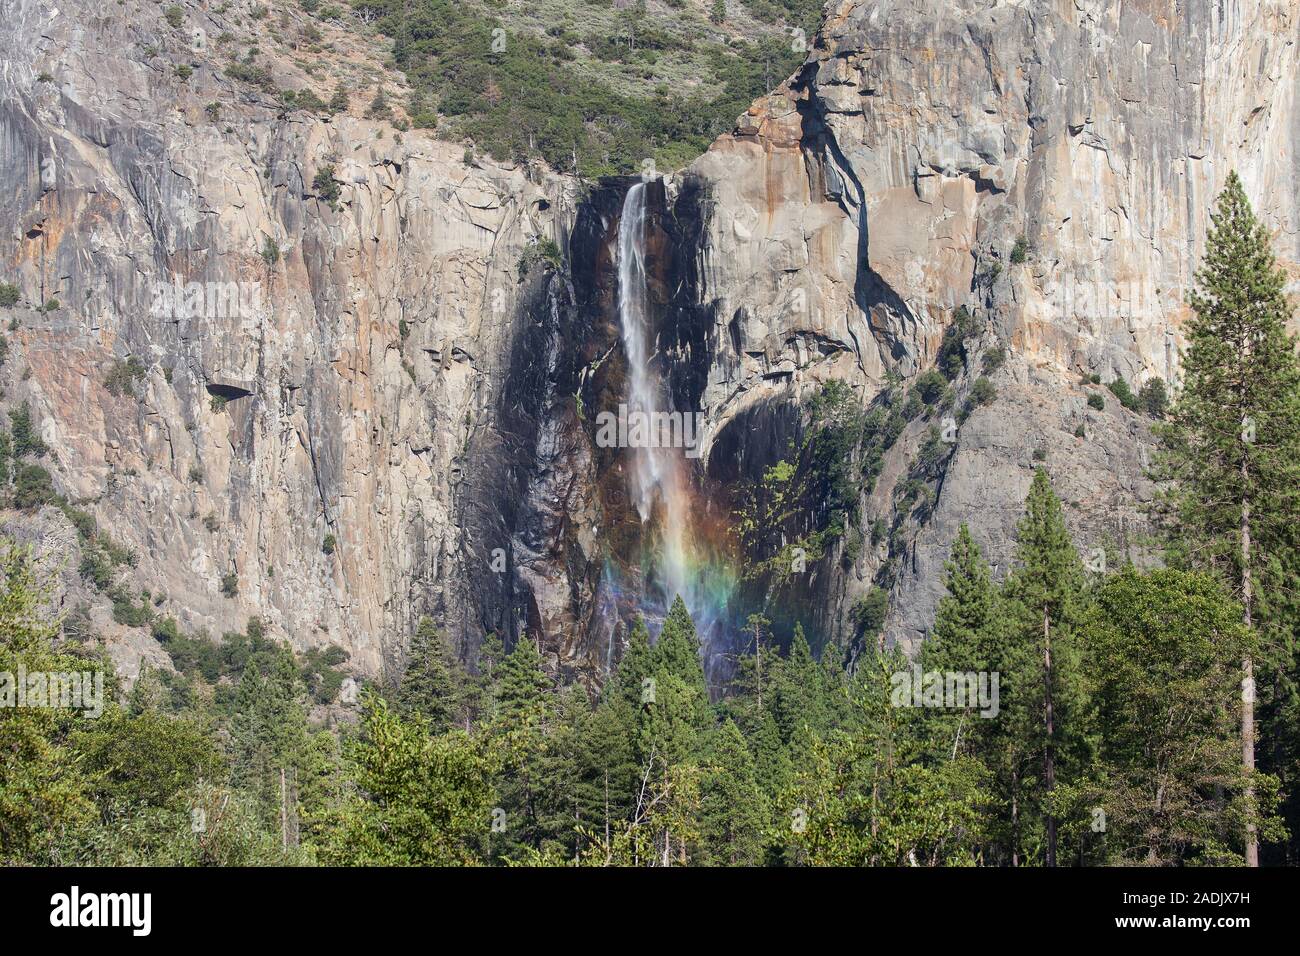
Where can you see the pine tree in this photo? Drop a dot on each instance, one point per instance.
(521, 684)
(733, 808)
(417, 801)
(797, 690)
(1232, 447)
(1043, 602)
(677, 651)
(964, 640)
(480, 692)
(428, 687)
(1163, 654)
(635, 666)
(43, 791)
(525, 715)
(270, 736)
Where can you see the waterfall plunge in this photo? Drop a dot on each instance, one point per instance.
(657, 480)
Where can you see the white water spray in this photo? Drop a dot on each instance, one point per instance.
(657, 483)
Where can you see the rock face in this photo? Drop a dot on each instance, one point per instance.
(334, 393)
(370, 356)
(885, 185)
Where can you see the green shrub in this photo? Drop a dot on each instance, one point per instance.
(326, 186)
(8, 295)
(1154, 398)
(982, 392)
(339, 101)
(308, 100)
(319, 668)
(329, 544)
(868, 613)
(930, 385)
(126, 611)
(270, 252)
(1096, 401)
(1119, 388)
(230, 584)
(24, 436)
(251, 73)
(123, 375)
(994, 359)
(174, 15)
(540, 251)
(1020, 251)
(33, 487)
(378, 108)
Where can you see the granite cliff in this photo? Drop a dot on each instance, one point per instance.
(392, 416)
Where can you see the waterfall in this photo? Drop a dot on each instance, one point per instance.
(657, 478)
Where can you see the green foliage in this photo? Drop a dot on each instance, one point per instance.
(418, 800)
(1230, 458)
(9, 295)
(1154, 398)
(123, 375)
(33, 487)
(790, 518)
(1164, 659)
(174, 15)
(930, 386)
(321, 674)
(24, 435)
(1042, 602)
(1096, 401)
(270, 252)
(252, 73)
(982, 392)
(326, 186)
(1119, 388)
(542, 251)
(518, 94)
(429, 688)
(868, 613)
(1020, 251)
(126, 611)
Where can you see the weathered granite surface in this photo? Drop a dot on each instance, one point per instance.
(391, 380)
